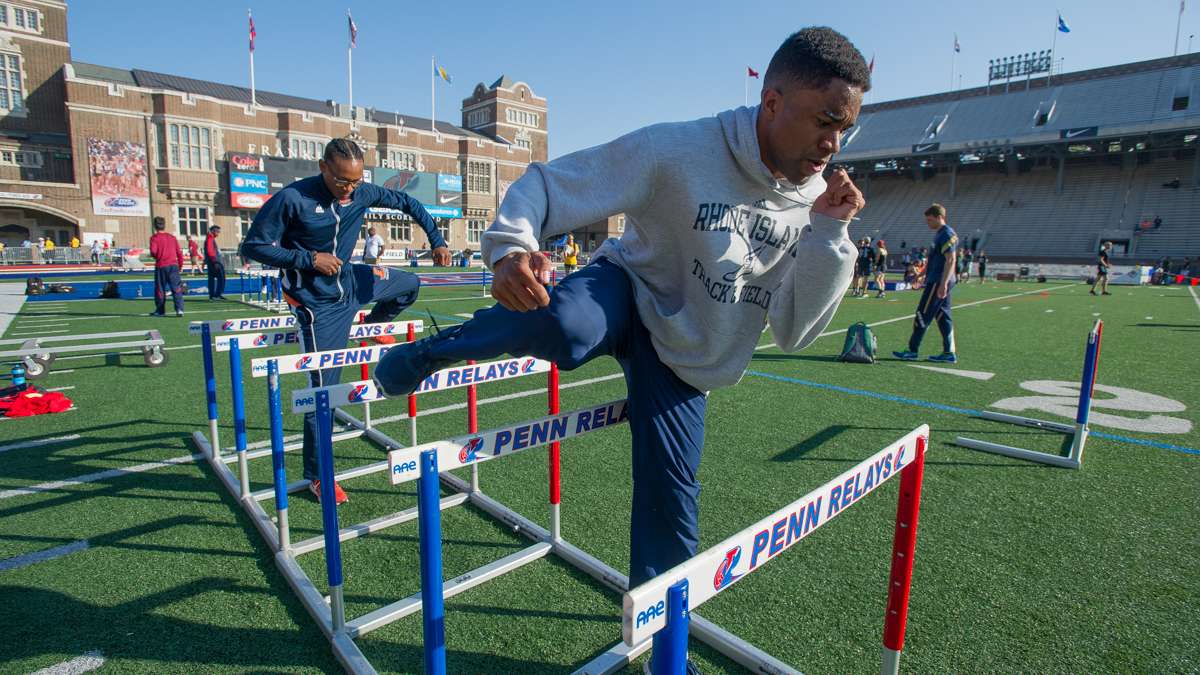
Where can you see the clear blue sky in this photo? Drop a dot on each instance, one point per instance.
(605, 67)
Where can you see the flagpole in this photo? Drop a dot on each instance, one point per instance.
(253, 95)
(350, 70)
(1178, 22)
(433, 95)
(1054, 43)
(746, 96)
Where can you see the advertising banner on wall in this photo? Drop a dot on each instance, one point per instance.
(248, 190)
(119, 183)
(440, 194)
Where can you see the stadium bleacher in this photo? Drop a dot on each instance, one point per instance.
(1120, 137)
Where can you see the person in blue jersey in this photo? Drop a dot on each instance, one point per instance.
(308, 230)
(939, 282)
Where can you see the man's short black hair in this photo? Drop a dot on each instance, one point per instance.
(812, 57)
(342, 148)
(160, 223)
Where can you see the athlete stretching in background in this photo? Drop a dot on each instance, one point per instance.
(316, 222)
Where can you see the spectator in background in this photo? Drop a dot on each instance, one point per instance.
(374, 248)
(1102, 269)
(96, 249)
(75, 242)
(48, 251)
(194, 255)
(570, 255)
(862, 269)
(982, 259)
(216, 268)
(1166, 271)
(168, 259)
(881, 255)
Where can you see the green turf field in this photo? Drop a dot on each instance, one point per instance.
(1019, 567)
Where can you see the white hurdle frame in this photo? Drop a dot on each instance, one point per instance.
(1078, 432)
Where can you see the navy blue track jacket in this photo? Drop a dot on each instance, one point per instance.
(305, 218)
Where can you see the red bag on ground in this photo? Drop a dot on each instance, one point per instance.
(33, 402)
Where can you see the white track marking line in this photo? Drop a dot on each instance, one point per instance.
(40, 441)
(464, 315)
(93, 477)
(908, 317)
(61, 388)
(27, 559)
(80, 664)
(1192, 290)
(973, 374)
(62, 372)
(1049, 311)
(40, 333)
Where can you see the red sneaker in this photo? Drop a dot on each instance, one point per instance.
(339, 495)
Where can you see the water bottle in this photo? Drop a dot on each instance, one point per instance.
(139, 290)
(18, 382)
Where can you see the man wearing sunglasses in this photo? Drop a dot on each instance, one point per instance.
(309, 230)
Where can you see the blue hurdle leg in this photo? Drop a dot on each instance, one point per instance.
(429, 526)
(670, 650)
(275, 410)
(239, 414)
(329, 518)
(210, 391)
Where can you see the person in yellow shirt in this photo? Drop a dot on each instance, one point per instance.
(571, 254)
(74, 242)
(48, 250)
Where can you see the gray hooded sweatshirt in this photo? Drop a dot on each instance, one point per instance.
(716, 247)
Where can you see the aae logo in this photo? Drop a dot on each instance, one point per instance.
(469, 451)
(303, 362)
(650, 613)
(120, 202)
(527, 367)
(260, 340)
(358, 392)
(725, 575)
(304, 402)
(228, 325)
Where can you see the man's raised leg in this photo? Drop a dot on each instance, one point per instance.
(589, 313)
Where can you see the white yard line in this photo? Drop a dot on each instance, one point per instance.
(27, 559)
(1192, 290)
(61, 388)
(908, 317)
(40, 441)
(76, 666)
(93, 477)
(40, 333)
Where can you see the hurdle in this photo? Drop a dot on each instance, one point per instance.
(1078, 432)
(272, 331)
(660, 610)
(265, 289)
(38, 353)
(429, 462)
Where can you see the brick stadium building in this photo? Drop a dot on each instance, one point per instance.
(97, 152)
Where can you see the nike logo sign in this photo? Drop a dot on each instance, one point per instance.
(447, 199)
(1075, 132)
(928, 146)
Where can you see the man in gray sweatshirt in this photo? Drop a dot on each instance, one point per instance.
(730, 228)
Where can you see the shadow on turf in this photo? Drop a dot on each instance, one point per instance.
(1179, 326)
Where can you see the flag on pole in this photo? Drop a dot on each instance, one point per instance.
(871, 65)
(441, 72)
(253, 33)
(1062, 24)
(353, 30)
(957, 48)
(750, 72)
